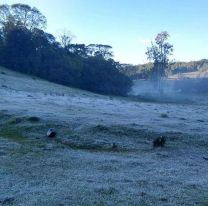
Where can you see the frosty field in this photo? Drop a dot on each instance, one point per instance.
(81, 166)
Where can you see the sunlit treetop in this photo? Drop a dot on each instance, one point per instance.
(22, 15)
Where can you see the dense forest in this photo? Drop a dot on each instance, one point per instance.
(143, 71)
(26, 47)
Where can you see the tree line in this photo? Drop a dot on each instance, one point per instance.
(144, 71)
(26, 47)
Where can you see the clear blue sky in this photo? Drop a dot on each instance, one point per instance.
(129, 25)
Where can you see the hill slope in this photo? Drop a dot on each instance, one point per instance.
(103, 152)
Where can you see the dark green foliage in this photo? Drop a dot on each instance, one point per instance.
(102, 76)
(28, 49)
(134, 72)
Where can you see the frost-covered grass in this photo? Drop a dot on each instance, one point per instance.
(103, 153)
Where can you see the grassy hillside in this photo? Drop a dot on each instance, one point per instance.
(103, 153)
(184, 67)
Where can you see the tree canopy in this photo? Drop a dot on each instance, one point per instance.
(159, 53)
(26, 47)
(22, 15)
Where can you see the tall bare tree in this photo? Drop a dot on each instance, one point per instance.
(65, 37)
(159, 54)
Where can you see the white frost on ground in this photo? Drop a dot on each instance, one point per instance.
(176, 175)
(36, 97)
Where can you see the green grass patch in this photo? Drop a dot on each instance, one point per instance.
(204, 201)
(15, 120)
(18, 120)
(13, 133)
(33, 119)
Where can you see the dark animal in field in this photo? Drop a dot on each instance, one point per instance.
(114, 146)
(51, 133)
(159, 142)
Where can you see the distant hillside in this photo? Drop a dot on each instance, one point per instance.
(193, 66)
(143, 71)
